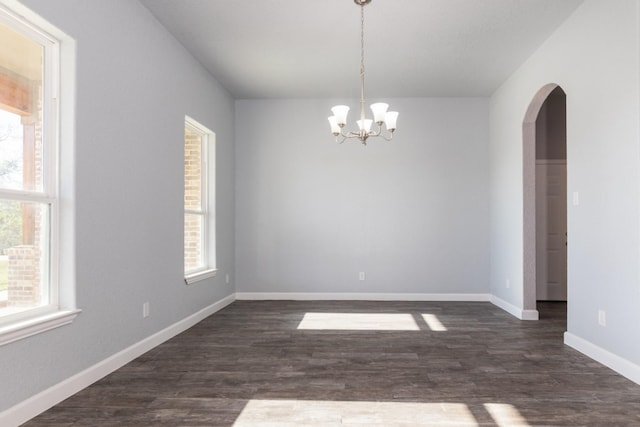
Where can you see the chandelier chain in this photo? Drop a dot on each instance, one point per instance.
(362, 62)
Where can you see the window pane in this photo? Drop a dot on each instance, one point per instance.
(21, 150)
(193, 235)
(23, 255)
(192, 170)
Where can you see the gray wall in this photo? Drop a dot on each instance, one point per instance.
(412, 213)
(594, 56)
(135, 83)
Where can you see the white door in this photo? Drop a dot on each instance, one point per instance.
(551, 230)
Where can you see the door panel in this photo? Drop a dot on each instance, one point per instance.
(551, 227)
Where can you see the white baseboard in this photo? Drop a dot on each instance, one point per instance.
(513, 310)
(530, 315)
(44, 400)
(620, 365)
(345, 296)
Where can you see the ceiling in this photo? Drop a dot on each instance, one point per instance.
(311, 48)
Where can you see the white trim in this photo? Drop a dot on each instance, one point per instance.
(348, 296)
(26, 196)
(200, 275)
(619, 364)
(530, 315)
(44, 400)
(207, 196)
(513, 310)
(22, 329)
(28, 25)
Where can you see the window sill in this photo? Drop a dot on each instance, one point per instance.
(26, 328)
(200, 275)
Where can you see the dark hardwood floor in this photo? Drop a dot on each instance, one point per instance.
(277, 363)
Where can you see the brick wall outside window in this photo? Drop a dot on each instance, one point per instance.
(193, 200)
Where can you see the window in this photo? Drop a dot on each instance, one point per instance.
(199, 223)
(29, 194)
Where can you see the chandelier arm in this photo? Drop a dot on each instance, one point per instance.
(340, 141)
(387, 139)
(374, 133)
(342, 137)
(361, 135)
(380, 133)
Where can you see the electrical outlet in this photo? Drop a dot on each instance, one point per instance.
(507, 283)
(361, 275)
(602, 318)
(226, 279)
(145, 310)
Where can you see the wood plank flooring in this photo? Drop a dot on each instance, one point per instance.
(306, 363)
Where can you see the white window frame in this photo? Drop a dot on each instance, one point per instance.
(56, 312)
(207, 212)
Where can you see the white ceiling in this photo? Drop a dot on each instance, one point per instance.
(311, 48)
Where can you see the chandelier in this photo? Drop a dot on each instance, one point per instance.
(380, 114)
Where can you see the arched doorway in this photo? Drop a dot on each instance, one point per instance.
(545, 196)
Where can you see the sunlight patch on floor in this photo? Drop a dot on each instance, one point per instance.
(359, 322)
(371, 322)
(434, 323)
(289, 413)
(505, 415)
